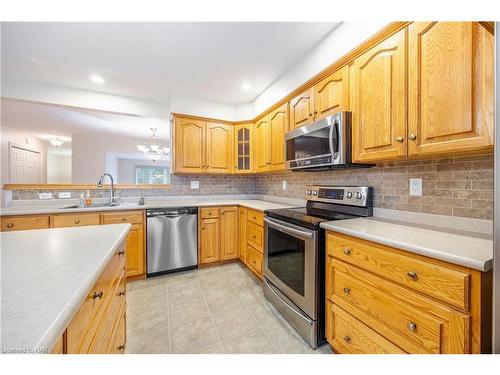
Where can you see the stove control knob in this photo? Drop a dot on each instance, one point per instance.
(309, 192)
(315, 192)
(349, 195)
(359, 195)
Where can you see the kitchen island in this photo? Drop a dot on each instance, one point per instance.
(48, 277)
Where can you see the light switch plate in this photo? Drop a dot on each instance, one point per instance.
(44, 195)
(284, 185)
(195, 184)
(64, 194)
(416, 186)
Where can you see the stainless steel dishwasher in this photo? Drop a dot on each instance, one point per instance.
(172, 239)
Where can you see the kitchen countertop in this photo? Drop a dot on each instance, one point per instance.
(458, 247)
(46, 275)
(255, 204)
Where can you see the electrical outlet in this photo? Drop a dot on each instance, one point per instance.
(416, 186)
(195, 184)
(284, 185)
(64, 194)
(45, 196)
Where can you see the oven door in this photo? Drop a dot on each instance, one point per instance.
(290, 262)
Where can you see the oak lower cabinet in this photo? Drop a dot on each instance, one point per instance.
(242, 240)
(255, 241)
(12, 223)
(99, 324)
(218, 234)
(393, 301)
(79, 219)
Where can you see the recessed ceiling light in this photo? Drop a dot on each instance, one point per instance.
(246, 86)
(96, 79)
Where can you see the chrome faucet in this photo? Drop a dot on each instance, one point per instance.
(111, 191)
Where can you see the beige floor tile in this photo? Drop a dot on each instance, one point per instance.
(254, 342)
(234, 322)
(213, 349)
(184, 291)
(225, 299)
(194, 309)
(192, 336)
(150, 341)
(285, 338)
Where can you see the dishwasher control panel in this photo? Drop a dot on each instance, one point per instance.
(171, 211)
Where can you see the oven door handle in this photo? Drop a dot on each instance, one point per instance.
(288, 230)
(308, 321)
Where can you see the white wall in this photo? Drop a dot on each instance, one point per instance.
(340, 41)
(58, 168)
(201, 107)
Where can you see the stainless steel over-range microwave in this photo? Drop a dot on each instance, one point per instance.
(322, 145)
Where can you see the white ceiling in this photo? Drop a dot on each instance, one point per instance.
(155, 60)
(48, 121)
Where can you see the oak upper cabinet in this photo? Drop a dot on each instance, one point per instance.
(229, 232)
(331, 94)
(302, 109)
(243, 150)
(451, 85)
(209, 240)
(261, 147)
(278, 126)
(378, 96)
(219, 148)
(189, 145)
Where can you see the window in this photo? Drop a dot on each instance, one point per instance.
(151, 175)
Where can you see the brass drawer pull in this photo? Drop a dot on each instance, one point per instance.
(120, 347)
(121, 293)
(77, 221)
(347, 339)
(347, 251)
(412, 137)
(121, 252)
(400, 139)
(412, 326)
(412, 275)
(97, 295)
(124, 218)
(347, 291)
(10, 225)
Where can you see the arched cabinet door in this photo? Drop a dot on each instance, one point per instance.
(189, 141)
(379, 101)
(450, 87)
(219, 154)
(278, 121)
(262, 162)
(302, 109)
(331, 94)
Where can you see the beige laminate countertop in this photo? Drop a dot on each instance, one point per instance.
(256, 204)
(458, 247)
(46, 274)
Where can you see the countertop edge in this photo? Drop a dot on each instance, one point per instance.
(449, 258)
(61, 323)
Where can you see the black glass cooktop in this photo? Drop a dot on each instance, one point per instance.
(307, 217)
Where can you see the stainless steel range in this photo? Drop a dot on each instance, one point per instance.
(294, 254)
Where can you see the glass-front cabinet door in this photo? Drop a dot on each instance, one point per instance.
(244, 148)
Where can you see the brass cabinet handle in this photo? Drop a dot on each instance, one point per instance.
(124, 218)
(310, 114)
(400, 139)
(347, 251)
(121, 252)
(347, 291)
(315, 112)
(209, 214)
(97, 295)
(10, 225)
(121, 293)
(77, 221)
(412, 137)
(120, 347)
(412, 326)
(347, 339)
(412, 275)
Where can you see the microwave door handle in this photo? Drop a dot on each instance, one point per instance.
(334, 149)
(286, 229)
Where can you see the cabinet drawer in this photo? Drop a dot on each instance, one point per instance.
(119, 341)
(255, 236)
(348, 335)
(256, 217)
(132, 217)
(83, 326)
(10, 223)
(104, 335)
(75, 220)
(254, 260)
(209, 212)
(436, 280)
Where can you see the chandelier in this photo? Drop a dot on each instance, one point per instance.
(153, 151)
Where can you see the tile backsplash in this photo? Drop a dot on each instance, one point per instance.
(457, 185)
